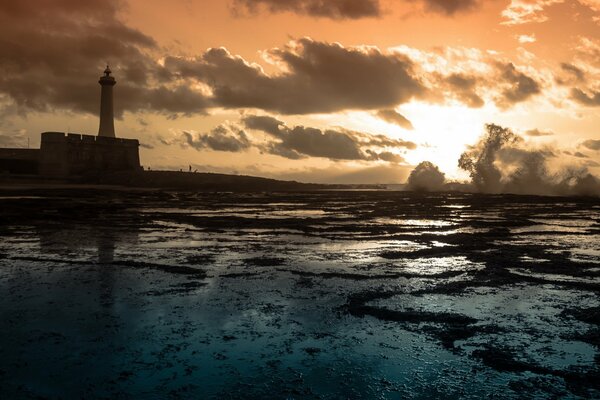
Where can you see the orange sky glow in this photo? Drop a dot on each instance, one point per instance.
(341, 91)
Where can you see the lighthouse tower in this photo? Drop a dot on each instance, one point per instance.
(107, 124)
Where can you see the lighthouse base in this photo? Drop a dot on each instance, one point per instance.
(75, 155)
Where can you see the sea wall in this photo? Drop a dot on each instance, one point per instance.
(19, 161)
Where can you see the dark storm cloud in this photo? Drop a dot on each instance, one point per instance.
(54, 51)
(336, 144)
(464, 88)
(538, 133)
(174, 99)
(574, 71)
(591, 144)
(384, 141)
(577, 154)
(295, 143)
(520, 86)
(335, 9)
(450, 7)
(221, 138)
(591, 98)
(393, 117)
(386, 156)
(347, 9)
(506, 85)
(319, 78)
(264, 123)
(592, 163)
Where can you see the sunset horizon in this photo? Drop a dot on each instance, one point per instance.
(350, 91)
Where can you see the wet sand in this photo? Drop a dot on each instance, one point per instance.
(392, 295)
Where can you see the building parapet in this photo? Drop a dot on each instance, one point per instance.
(78, 137)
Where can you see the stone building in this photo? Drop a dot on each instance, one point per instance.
(73, 155)
(79, 155)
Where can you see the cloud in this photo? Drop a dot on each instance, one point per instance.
(14, 139)
(393, 117)
(592, 98)
(464, 88)
(335, 9)
(450, 7)
(474, 77)
(526, 38)
(576, 154)
(320, 77)
(426, 177)
(315, 77)
(221, 138)
(519, 87)
(592, 144)
(574, 71)
(346, 9)
(592, 163)
(527, 11)
(385, 156)
(588, 50)
(54, 52)
(172, 99)
(294, 143)
(307, 76)
(534, 11)
(538, 133)
(265, 123)
(335, 144)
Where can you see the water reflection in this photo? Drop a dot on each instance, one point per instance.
(85, 243)
(387, 296)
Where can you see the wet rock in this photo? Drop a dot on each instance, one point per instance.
(311, 351)
(264, 261)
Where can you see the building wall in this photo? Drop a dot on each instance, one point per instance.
(79, 155)
(19, 161)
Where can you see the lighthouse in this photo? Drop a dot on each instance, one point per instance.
(107, 124)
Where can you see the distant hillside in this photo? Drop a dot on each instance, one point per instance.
(215, 182)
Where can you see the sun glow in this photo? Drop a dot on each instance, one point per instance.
(443, 132)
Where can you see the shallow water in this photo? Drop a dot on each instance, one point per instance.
(325, 295)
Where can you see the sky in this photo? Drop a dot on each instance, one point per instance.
(338, 91)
